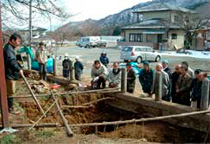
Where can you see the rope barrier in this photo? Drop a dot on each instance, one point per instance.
(141, 120)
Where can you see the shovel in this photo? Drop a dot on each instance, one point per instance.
(33, 95)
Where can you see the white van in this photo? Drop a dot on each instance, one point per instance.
(88, 42)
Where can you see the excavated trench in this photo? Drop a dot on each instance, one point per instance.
(86, 109)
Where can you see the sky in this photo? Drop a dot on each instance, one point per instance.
(94, 9)
(97, 9)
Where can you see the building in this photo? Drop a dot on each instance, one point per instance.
(37, 32)
(201, 39)
(159, 27)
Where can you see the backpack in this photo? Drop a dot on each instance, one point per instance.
(66, 64)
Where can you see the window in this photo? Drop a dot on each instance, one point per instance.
(174, 36)
(135, 38)
(127, 49)
(175, 18)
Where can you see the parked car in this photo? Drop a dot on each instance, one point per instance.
(139, 54)
(101, 43)
(88, 42)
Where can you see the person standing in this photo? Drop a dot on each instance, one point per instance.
(99, 75)
(183, 87)
(78, 69)
(42, 59)
(166, 68)
(174, 78)
(190, 71)
(196, 89)
(12, 68)
(67, 66)
(165, 83)
(104, 59)
(146, 78)
(114, 76)
(131, 79)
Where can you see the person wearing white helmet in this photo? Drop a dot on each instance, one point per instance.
(78, 68)
(67, 66)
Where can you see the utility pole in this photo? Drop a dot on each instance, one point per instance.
(30, 33)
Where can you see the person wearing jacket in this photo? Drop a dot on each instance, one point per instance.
(42, 59)
(174, 78)
(166, 68)
(114, 76)
(183, 87)
(67, 67)
(131, 79)
(146, 78)
(165, 83)
(190, 71)
(78, 68)
(99, 75)
(104, 59)
(196, 89)
(12, 68)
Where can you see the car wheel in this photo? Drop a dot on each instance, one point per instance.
(158, 58)
(139, 60)
(125, 61)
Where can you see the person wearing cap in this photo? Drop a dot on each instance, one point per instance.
(78, 68)
(190, 71)
(146, 78)
(99, 75)
(131, 79)
(41, 55)
(166, 67)
(104, 59)
(67, 66)
(165, 83)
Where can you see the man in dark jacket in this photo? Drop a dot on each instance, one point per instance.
(12, 68)
(196, 88)
(131, 79)
(146, 78)
(67, 67)
(183, 87)
(174, 78)
(104, 59)
(78, 68)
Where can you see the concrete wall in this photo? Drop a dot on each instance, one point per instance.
(148, 107)
(179, 42)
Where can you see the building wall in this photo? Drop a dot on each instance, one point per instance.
(163, 15)
(179, 42)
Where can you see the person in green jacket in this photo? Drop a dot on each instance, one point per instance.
(146, 77)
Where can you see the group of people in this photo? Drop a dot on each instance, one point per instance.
(181, 85)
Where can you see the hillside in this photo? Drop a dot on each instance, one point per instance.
(106, 25)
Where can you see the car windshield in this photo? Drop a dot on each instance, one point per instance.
(127, 49)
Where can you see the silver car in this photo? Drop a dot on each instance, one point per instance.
(139, 54)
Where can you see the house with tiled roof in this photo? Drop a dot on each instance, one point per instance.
(158, 26)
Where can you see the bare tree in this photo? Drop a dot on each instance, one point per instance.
(15, 12)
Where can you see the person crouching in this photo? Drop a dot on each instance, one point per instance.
(99, 74)
(114, 76)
